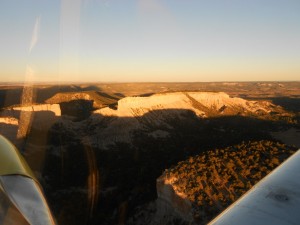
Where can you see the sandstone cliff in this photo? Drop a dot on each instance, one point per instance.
(16, 122)
(204, 104)
(54, 108)
(155, 112)
(171, 204)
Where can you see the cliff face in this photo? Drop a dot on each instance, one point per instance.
(204, 104)
(16, 122)
(9, 120)
(27, 127)
(155, 112)
(66, 97)
(171, 204)
(98, 99)
(54, 108)
(77, 109)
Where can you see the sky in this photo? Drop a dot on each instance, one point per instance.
(149, 40)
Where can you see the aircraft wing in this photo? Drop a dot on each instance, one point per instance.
(274, 200)
(22, 201)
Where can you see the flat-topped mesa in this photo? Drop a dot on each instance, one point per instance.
(55, 108)
(66, 97)
(42, 115)
(17, 121)
(99, 100)
(9, 121)
(203, 104)
(159, 112)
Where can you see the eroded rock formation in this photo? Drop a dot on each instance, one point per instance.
(204, 104)
(171, 204)
(16, 122)
(155, 112)
(98, 99)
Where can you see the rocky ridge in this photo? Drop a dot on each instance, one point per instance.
(154, 112)
(99, 99)
(204, 104)
(17, 118)
(150, 133)
(198, 189)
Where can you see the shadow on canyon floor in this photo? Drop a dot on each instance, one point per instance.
(12, 96)
(289, 104)
(92, 185)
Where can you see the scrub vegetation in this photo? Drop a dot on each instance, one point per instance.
(216, 178)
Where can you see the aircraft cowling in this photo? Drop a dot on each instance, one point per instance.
(22, 199)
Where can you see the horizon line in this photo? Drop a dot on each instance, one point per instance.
(139, 82)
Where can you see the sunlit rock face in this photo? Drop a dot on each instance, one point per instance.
(154, 113)
(54, 108)
(16, 122)
(9, 127)
(66, 97)
(98, 99)
(9, 120)
(42, 114)
(204, 104)
(171, 204)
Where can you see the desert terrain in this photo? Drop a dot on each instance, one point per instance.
(150, 153)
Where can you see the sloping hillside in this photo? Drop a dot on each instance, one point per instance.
(134, 142)
(213, 180)
(99, 99)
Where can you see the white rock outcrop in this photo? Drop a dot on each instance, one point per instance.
(137, 112)
(16, 122)
(171, 203)
(204, 104)
(55, 108)
(9, 121)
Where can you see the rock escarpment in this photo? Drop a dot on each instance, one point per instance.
(54, 108)
(98, 99)
(40, 113)
(156, 113)
(204, 104)
(201, 187)
(142, 138)
(16, 121)
(171, 204)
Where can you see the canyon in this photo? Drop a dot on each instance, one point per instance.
(112, 154)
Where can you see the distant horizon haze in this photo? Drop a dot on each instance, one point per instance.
(4, 83)
(149, 41)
